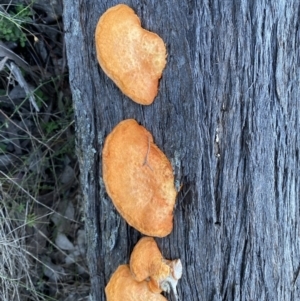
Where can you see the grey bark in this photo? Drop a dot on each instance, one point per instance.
(227, 115)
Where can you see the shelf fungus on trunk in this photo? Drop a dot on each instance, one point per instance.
(139, 179)
(131, 56)
(147, 263)
(147, 275)
(123, 287)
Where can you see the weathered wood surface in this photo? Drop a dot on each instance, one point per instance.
(228, 116)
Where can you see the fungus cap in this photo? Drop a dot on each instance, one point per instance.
(131, 56)
(147, 262)
(122, 286)
(139, 179)
(146, 259)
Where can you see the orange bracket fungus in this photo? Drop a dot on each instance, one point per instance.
(139, 179)
(147, 263)
(123, 287)
(146, 277)
(131, 56)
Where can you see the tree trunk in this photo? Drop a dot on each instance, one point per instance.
(227, 115)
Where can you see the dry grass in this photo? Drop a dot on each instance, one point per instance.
(32, 191)
(15, 268)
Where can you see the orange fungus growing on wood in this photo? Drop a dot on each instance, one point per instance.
(139, 179)
(131, 56)
(147, 262)
(123, 287)
(146, 277)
